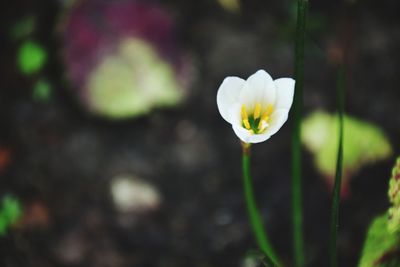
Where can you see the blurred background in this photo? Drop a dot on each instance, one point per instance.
(113, 153)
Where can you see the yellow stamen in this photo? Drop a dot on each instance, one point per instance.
(244, 113)
(268, 111)
(257, 111)
(246, 123)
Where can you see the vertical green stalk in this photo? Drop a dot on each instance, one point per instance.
(254, 214)
(297, 209)
(341, 83)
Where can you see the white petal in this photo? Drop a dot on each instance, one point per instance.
(235, 114)
(228, 94)
(258, 138)
(278, 118)
(284, 93)
(259, 88)
(236, 121)
(242, 133)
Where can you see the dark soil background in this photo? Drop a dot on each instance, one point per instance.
(62, 158)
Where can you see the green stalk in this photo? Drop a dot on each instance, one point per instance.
(253, 212)
(341, 83)
(297, 208)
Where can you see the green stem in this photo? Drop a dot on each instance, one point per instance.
(297, 208)
(341, 83)
(254, 214)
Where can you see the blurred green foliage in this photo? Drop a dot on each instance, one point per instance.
(363, 142)
(23, 28)
(394, 198)
(382, 245)
(381, 248)
(316, 22)
(133, 81)
(10, 212)
(42, 91)
(31, 57)
(230, 5)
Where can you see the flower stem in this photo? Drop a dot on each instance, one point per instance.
(341, 83)
(297, 209)
(253, 212)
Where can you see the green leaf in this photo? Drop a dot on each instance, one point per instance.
(364, 142)
(10, 212)
(394, 198)
(133, 81)
(31, 57)
(381, 248)
(23, 28)
(42, 91)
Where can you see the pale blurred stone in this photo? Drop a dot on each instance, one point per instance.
(131, 194)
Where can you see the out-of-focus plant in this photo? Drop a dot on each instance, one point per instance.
(364, 143)
(31, 57)
(394, 198)
(256, 108)
(23, 28)
(382, 244)
(296, 161)
(230, 5)
(42, 90)
(316, 22)
(10, 212)
(126, 60)
(120, 86)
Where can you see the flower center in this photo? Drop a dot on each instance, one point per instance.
(257, 120)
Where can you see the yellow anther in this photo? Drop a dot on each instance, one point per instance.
(244, 113)
(266, 114)
(246, 123)
(257, 111)
(265, 117)
(268, 111)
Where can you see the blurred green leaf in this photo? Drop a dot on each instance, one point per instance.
(230, 5)
(133, 81)
(10, 212)
(394, 198)
(42, 90)
(23, 28)
(363, 143)
(381, 248)
(31, 57)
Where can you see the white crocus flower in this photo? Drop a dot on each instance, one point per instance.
(256, 108)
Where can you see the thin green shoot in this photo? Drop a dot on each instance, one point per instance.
(297, 209)
(341, 83)
(253, 212)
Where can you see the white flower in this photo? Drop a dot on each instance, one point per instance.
(256, 108)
